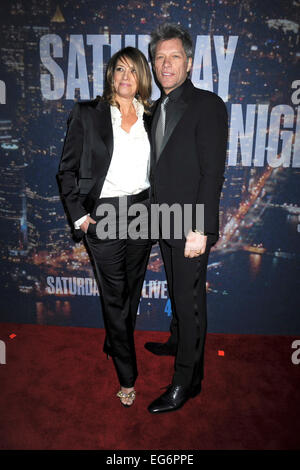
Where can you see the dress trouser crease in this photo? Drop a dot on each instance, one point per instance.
(187, 290)
(120, 266)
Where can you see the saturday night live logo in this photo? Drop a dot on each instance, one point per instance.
(260, 135)
(86, 286)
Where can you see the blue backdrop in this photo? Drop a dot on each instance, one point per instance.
(55, 52)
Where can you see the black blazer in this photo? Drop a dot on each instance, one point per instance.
(86, 157)
(190, 167)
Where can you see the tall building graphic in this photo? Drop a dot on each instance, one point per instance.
(12, 199)
(58, 16)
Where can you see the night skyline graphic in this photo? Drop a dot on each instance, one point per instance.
(253, 273)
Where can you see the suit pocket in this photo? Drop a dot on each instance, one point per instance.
(92, 229)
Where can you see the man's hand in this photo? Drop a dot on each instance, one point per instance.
(84, 226)
(195, 244)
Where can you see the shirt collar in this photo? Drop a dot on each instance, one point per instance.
(174, 95)
(117, 117)
(139, 108)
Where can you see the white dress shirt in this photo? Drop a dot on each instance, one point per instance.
(128, 172)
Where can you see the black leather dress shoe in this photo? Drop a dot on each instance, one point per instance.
(162, 349)
(171, 400)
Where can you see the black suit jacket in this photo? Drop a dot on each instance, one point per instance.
(190, 166)
(86, 157)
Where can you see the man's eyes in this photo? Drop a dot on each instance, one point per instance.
(174, 56)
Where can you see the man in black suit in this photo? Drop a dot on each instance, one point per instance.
(189, 140)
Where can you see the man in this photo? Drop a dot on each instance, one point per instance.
(189, 144)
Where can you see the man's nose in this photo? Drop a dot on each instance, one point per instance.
(166, 62)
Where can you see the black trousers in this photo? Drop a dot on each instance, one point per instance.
(186, 279)
(120, 266)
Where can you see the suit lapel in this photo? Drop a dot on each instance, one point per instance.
(172, 123)
(174, 119)
(105, 127)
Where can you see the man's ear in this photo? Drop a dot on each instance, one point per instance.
(189, 64)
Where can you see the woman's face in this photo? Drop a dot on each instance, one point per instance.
(125, 79)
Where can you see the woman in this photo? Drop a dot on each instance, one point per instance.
(105, 165)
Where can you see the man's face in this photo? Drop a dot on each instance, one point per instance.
(171, 64)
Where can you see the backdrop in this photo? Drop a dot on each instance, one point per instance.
(55, 52)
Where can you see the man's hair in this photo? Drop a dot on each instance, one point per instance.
(167, 31)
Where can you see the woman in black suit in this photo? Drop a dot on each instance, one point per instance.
(105, 165)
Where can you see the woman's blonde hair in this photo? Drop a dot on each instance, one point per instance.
(143, 75)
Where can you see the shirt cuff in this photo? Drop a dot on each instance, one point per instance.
(80, 221)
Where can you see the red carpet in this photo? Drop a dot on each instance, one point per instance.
(58, 392)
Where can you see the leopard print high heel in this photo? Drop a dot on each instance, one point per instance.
(131, 396)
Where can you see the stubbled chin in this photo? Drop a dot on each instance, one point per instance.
(167, 80)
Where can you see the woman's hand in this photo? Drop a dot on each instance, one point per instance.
(85, 225)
